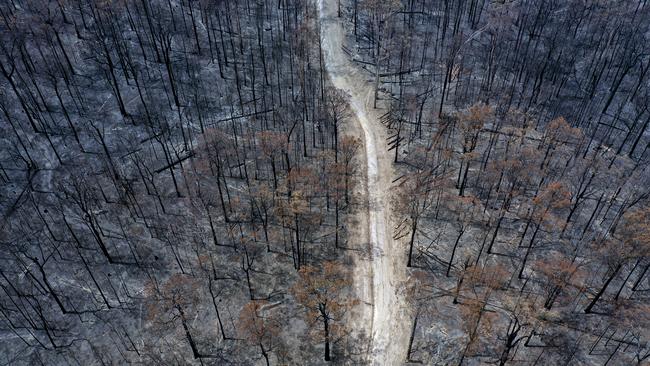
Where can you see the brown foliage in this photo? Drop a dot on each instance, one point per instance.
(636, 231)
(256, 327)
(272, 142)
(471, 122)
(178, 291)
(321, 292)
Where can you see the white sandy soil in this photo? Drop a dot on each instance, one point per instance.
(388, 266)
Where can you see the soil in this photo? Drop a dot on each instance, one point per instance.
(378, 277)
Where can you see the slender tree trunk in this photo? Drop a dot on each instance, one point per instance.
(602, 290)
(265, 354)
(216, 309)
(326, 326)
(188, 335)
(412, 337)
(453, 252)
(414, 228)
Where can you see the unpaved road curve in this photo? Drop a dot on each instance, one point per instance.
(388, 334)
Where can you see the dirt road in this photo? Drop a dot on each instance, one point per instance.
(380, 287)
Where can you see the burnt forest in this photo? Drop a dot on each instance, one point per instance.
(314, 182)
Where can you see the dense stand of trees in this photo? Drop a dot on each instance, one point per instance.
(166, 169)
(568, 235)
(587, 62)
(174, 179)
(519, 129)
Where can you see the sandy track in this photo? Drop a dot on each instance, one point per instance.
(387, 323)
